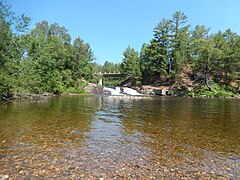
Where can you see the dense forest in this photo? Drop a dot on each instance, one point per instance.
(191, 61)
(42, 59)
(47, 59)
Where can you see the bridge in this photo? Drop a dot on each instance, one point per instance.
(110, 74)
(107, 74)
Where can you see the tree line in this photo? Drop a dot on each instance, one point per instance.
(47, 59)
(42, 59)
(210, 60)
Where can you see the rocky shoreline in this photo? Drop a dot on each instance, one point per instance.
(94, 89)
(30, 96)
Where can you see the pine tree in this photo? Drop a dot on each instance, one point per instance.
(130, 67)
(180, 41)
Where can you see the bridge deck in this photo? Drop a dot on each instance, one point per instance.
(110, 74)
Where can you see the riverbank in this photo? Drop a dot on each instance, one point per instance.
(29, 96)
(200, 91)
(146, 90)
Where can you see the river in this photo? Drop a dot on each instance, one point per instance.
(97, 137)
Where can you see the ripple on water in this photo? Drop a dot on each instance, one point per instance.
(98, 137)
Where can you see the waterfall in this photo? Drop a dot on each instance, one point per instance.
(120, 91)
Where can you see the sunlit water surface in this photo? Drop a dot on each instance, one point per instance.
(107, 137)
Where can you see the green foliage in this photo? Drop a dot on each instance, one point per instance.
(42, 60)
(211, 57)
(179, 44)
(66, 78)
(10, 50)
(7, 85)
(130, 67)
(77, 87)
(54, 83)
(82, 62)
(109, 67)
(168, 51)
(45, 60)
(112, 82)
(72, 90)
(52, 64)
(216, 91)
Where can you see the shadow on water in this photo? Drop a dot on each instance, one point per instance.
(94, 136)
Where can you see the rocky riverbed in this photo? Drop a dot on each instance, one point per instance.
(103, 137)
(118, 161)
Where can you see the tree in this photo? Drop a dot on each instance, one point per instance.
(130, 67)
(10, 50)
(110, 67)
(168, 50)
(204, 53)
(236, 73)
(231, 54)
(52, 63)
(145, 64)
(179, 48)
(82, 63)
(155, 56)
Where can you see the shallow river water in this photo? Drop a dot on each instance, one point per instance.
(94, 137)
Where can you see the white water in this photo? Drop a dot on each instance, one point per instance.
(117, 91)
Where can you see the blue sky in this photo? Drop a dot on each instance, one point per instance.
(109, 26)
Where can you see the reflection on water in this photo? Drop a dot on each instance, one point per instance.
(94, 137)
